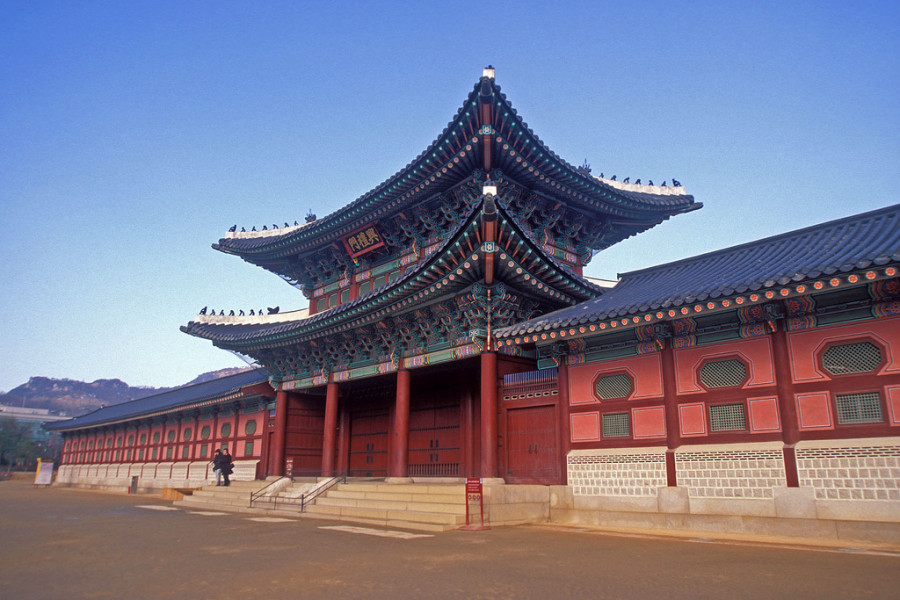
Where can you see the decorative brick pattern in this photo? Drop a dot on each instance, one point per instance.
(617, 474)
(730, 473)
(851, 473)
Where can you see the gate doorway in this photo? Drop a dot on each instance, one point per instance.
(434, 435)
(369, 443)
(531, 448)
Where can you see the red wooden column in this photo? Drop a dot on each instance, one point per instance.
(670, 398)
(277, 450)
(343, 439)
(564, 438)
(195, 439)
(399, 466)
(329, 435)
(790, 431)
(489, 414)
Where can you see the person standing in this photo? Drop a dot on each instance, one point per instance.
(227, 465)
(217, 467)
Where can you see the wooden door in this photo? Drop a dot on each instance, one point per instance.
(531, 450)
(369, 443)
(304, 432)
(434, 437)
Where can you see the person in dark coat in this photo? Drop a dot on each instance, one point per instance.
(227, 465)
(217, 467)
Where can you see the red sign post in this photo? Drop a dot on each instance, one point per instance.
(474, 492)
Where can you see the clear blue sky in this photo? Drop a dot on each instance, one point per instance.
(134, 134)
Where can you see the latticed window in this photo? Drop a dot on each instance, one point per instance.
(859, 408)
(727, 417)
(616, 425)
(171, 436)
(860, 357)
(610, 387)
(723, 373)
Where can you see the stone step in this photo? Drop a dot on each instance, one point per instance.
(418, 506)
(425, 489)
(217, 501)
(387, 515)
(427, 527)
(398, 496)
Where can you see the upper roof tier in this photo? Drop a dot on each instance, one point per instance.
(780, 266)
(487, 137)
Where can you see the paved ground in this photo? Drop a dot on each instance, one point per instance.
(67, 543)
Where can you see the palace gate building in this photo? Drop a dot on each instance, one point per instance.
(450, 333)
(395, 361)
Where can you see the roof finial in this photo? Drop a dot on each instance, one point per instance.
(488, 72)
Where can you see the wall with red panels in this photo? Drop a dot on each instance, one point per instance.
(645, 372)
(123, 444)
(755, 352)
(807, 346)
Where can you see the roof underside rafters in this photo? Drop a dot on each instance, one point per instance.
(522, 266)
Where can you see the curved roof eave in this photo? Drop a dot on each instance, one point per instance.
(633, 199)
(242, 336)
(171, 400)
(324, 226)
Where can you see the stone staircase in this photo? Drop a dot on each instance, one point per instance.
(233, 498)
(418, 506)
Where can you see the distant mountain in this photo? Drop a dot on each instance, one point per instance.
(75, 398)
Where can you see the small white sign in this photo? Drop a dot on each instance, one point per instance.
(44, 475)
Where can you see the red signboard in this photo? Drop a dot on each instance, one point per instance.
(362, 241)
(289, 466)
(474, 492)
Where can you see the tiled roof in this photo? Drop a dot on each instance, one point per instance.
(424, 173)
(861, 241)
(166, 401)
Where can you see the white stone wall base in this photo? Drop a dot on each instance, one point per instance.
(795, 503)
(673, 500)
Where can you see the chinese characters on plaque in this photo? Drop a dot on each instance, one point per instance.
(363, 241)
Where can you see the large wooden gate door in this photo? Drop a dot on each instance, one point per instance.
(434, 435)
(532, 453)
(303, 437)
(369, 442)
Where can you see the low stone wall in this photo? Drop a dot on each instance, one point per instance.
(151, 476)
(849, 490)
(852, 479)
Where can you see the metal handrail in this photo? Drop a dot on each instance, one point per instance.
(307, 498)
(259, 493)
